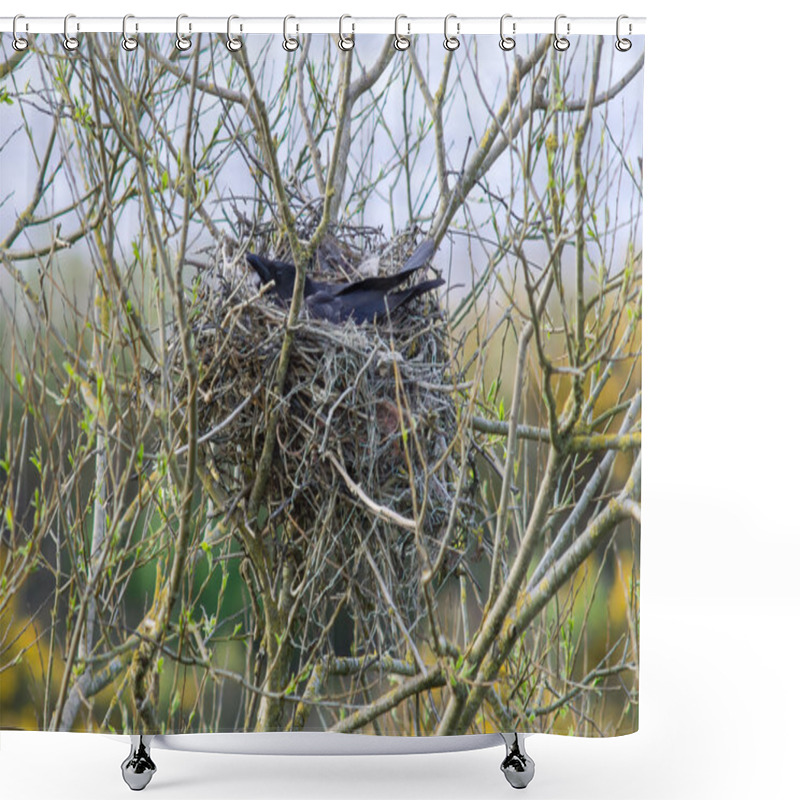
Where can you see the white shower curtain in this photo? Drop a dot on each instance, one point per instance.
(252, 479)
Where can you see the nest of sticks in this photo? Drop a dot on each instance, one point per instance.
(368, 469)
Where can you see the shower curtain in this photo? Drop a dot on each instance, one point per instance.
(320, 401)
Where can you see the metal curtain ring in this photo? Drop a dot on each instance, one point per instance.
(451, 42)
(507, 42)
(234, 44)
(70, 42)
(623, 45)
(182, 42)
(560, 43)
(20, 43)
(129, 42)
(290, 43)
(401, 41)
(346, 41)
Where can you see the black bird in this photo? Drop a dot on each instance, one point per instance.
(364, 305)
(363, 300)
(281, 273)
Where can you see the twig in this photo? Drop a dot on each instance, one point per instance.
(379, 510)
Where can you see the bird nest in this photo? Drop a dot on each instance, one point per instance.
(366, 474)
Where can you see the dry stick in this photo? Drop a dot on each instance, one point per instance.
(587, 684)
(545, 589)
(349, 390)
(341, 148)
(24, 217)
(313, 149)
(220, 426)
(337, 175)
(88, 685)
(592, 486)
(511, 458)
(519, 121)
(413, 686)
(342, 666)
(475, 167)
(580, 239)
(434, 104)
(99, 530)
(397, 617)
(83, 632)
(165, 599)
(260, 117)
(76, 637)
(330, 208)
(495, 618)
(577, 443)
(383, 512)
(608, 370)
(419, 509)
(10, 64)
(427, 576)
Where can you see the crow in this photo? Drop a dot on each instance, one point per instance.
(279, 272)
(364, 305)
(363, 300)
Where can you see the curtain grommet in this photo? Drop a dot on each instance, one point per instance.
(129, 42)
(20, 43)
(451, 42)
(401, 40)
(507, 42)
(290, 43)
(70, 42)
(623, 45)
(234, 43)
(560, 43)
(347, 41)
(182, 42)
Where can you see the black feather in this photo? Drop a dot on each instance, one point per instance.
(363, 300)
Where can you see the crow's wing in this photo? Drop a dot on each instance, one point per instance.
(421, 256)
(397, 299)
(371, 304)
(323, 305)
(385, 283)
(369, 291)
